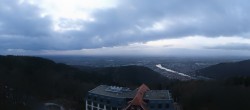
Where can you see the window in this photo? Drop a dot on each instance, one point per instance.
(119, 103)
(89, 102)
(152, 106)
(108, 102)
(159, 105)
(114, 108)
(89, 108)
(166, 105)
(107, 107)
(89, 97)
(101, 106)
(95, 104)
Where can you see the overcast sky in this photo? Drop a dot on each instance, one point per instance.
(125, 27)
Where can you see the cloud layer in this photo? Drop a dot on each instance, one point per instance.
(32, 26)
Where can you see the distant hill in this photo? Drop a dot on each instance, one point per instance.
(126, 75)
(34, 79)
(226, 70)
(27, 81)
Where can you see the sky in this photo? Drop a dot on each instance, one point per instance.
(125, 27)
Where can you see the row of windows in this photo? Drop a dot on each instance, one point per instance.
(107, 107)
(94, 98)
(152, 106)
(107, 102)
(96, 104)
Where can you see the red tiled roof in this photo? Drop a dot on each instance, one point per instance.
(138, 99)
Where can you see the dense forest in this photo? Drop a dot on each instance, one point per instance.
(27, 82)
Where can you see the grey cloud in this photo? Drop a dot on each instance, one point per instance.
(193, 17)
(22, 19)
(231, 46)
(22, 27)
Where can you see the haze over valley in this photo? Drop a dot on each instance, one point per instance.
(182, 68)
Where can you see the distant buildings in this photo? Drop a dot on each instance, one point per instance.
(106, 97)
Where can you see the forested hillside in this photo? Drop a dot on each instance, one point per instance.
(226, 70)
(40, 79)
